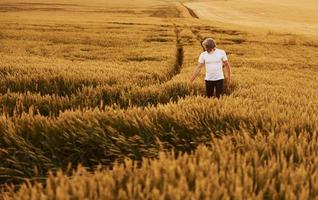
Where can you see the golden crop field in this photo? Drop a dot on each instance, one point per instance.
(287, 16)
(96, 102)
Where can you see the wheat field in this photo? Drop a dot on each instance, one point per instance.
(286, 16)
(96, 103)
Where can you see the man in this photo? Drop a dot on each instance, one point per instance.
(214, 59)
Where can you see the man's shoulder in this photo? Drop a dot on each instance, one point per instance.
(220, 50)
(204, 53)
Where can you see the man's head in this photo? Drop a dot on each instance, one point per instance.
(208, 44)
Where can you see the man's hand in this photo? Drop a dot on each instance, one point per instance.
(229, 80)
(197, 72)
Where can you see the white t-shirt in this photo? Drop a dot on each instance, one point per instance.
(213, 64)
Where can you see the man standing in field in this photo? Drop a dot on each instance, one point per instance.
(214, 59)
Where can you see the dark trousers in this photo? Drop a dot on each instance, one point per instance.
(210, 85)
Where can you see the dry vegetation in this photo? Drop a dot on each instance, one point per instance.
(294, 16)
(106, 85)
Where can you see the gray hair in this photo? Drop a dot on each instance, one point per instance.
(209, 44)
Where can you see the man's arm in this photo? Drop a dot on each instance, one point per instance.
(227, 65)
(197, 72)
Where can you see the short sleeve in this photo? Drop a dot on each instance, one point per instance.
(201, 59)
(224, 56)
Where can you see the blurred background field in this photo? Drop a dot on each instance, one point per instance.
(106, 85)
(289, 16)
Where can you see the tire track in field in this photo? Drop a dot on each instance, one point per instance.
(191, 12)
(179, 55)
